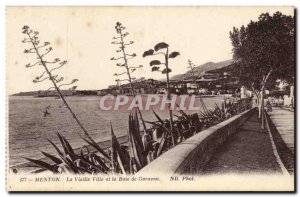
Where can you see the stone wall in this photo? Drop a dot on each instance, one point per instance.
(191, 155)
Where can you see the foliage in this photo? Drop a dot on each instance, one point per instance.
(162, 48)
(161, 45)
(125, 57)
(174, 54)
(264, 51)
(120, 158)
(41, 50)
(192, 69)
(148, 53)
(228, 109)
(166, 55)
(67, 161)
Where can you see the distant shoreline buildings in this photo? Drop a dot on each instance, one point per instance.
(208, 79)
(217, 81)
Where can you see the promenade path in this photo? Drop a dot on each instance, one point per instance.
(283, 119)
(247, 151)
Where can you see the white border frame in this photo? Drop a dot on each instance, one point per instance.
(5, 3)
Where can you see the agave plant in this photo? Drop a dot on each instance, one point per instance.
(133, 157)
(136, 147)
(67, 161)
(228, 109)
(124, 59)
(120, 158)
(163, 50)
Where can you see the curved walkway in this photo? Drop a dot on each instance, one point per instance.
(247, 151)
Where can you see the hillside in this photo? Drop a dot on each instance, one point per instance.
(203, 68)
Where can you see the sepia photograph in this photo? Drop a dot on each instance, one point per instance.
(186, 98)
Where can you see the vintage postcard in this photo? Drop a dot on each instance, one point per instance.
(150, 99)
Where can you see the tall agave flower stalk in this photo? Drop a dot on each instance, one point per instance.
(163, 49)
(192, 68)
(41, 50)
(120, 40)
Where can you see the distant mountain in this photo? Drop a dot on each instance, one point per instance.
(203, 68)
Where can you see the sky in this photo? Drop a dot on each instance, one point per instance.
(83, 36)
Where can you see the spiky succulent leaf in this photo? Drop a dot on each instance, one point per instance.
(96, 146)
(42, 164)
(53, 158)
(56, 148)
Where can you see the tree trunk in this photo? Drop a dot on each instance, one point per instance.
(257, 94)
(292, 96)
(259, 104)
(257, 97)
(262, 108)
(262, 99)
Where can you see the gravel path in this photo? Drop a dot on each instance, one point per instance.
(247, 151)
